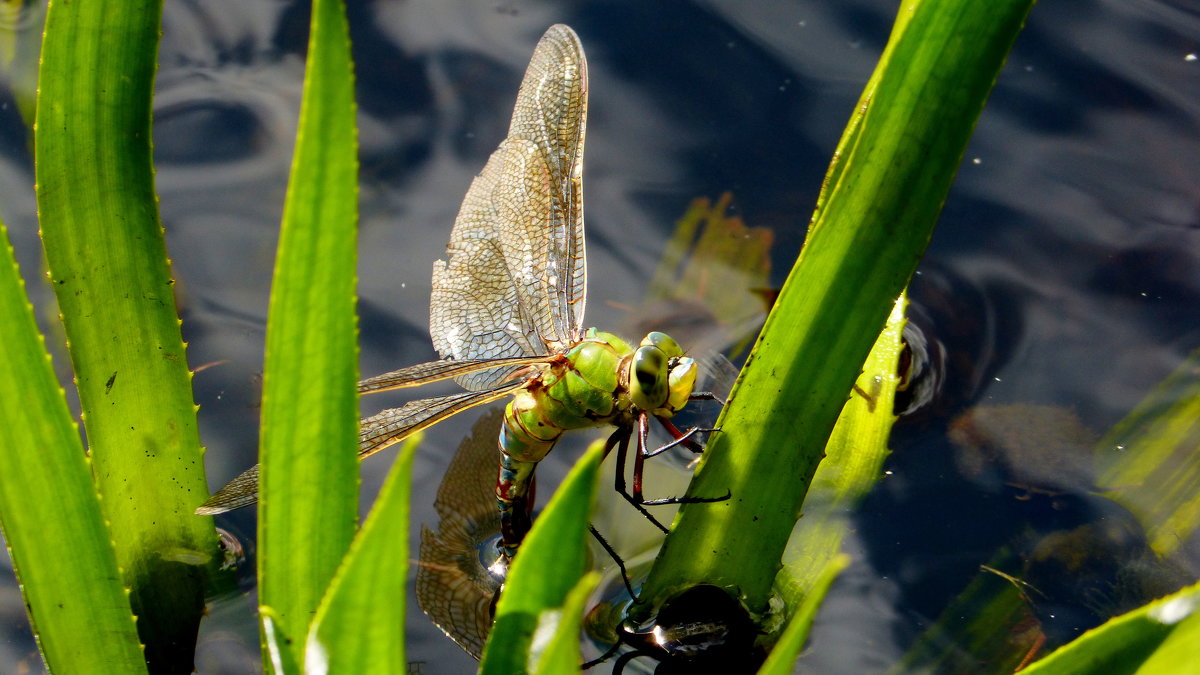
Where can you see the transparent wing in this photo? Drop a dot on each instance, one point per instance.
(239, 492)
(453, 586)
(717, 375)
(375, 433)
(396, 424)
(514, 281)
(551, 112)
(434, 371)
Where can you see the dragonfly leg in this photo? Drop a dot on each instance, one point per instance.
(639, 459)
(620, 440)
(612, 553)
(684, 438)
(621, 662)
(514, 497)
(643, 453)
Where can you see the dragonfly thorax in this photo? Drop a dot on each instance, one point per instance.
(599, 381)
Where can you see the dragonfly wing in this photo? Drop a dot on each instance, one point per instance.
(717, 374)
(475, 312)
(396, 424)
(434, 371)
(239, 492)
(551, 113)
(514, 280)
(375, 433)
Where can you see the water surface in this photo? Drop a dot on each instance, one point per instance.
(1063, 273)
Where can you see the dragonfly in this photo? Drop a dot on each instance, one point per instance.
(506, 313)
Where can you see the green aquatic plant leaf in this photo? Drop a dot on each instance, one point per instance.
(49, 508)
(277, 650)
(883, 198)
(359, 627)
(556, 642)
(853, 464)
(309, 477)
(1149, 462)
(783, 657)
(109, 269)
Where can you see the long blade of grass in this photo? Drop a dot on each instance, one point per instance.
(309, 407)
(109, 268)
(359, 627)
(49, 509)
(861, 251)
(561, 652)
(853, 464)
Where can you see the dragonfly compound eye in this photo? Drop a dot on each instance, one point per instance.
(648, 386)
(664, 342)
(682, 381)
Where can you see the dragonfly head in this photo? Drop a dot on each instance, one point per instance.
(660, 376)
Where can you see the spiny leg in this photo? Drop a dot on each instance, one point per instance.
(612, 553)
(684, 438)
(639, 463)
(639, 460)
(620, 440)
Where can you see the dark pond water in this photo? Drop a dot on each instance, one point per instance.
(1065, 271)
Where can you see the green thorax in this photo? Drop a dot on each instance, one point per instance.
(601, 380)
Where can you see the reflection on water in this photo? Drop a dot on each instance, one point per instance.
(1038, 449)
(706, 287)
(1083, 558)
(1063, 272)
(454, 586)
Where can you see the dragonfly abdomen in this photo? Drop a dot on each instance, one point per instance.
(580, 389)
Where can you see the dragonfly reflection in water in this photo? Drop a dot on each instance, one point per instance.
(454, 585)
(506, 313)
